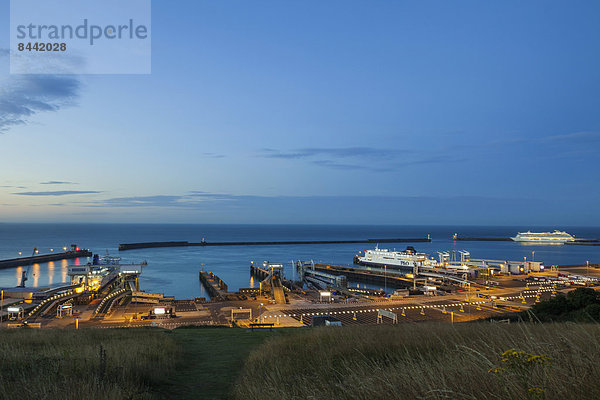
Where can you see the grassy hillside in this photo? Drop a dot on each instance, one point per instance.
(427, 361)
(405, 361)
(194, 363)
(84, 364)
(211, 359)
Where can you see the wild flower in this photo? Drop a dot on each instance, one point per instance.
(521, 366)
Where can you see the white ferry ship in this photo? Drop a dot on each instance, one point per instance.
(392, 259)
(544, 237)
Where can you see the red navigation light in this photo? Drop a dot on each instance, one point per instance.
(76, 248)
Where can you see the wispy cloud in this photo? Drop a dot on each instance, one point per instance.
(193, 199)
(212, 155)
(573, 137)
(57, 193)
(342, 152)
(12, 187)
(360, 158)
(58, 183)
(23, 96)
(140, 201)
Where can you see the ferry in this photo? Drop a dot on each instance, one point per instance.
(558, 237)
(408, 258)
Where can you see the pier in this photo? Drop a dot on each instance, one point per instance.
(216, 288)
(25, 261)
(149, 245)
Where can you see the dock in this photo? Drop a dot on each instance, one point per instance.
(149, 245)
(216, 288)
(389, 279)
(25, 261)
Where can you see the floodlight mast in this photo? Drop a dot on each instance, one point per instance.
(25, 274)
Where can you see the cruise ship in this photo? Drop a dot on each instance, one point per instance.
(408, 258)
(544, 237)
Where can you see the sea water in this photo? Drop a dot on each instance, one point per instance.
(174, 271)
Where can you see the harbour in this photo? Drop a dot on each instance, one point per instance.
(412, 285)
(174, 270)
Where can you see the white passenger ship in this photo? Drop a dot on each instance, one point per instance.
(543, 237)
(408, 258)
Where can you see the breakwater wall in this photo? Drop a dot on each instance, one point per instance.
(483, 239)
(585, 242)
(148, 245)
(25, 261)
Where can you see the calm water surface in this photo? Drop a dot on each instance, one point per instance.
(174, 271)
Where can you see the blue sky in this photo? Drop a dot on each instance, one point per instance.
(428, 112)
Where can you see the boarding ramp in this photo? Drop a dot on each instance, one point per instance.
(47, 293)
(50, 302)
(278, 293)
(271, 274)
(106, 302)
(107, 282)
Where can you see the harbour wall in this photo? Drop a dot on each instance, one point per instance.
(25, 261)
(147, 245)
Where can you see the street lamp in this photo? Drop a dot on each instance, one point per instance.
(587, 267)
(385, 278)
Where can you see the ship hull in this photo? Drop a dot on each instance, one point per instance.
(541, 240)
(372, 263)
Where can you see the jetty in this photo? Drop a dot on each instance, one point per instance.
(25, 261)
(216, 288)
(149, 245)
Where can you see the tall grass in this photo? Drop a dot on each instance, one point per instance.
(424, 361)
(66, 364)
